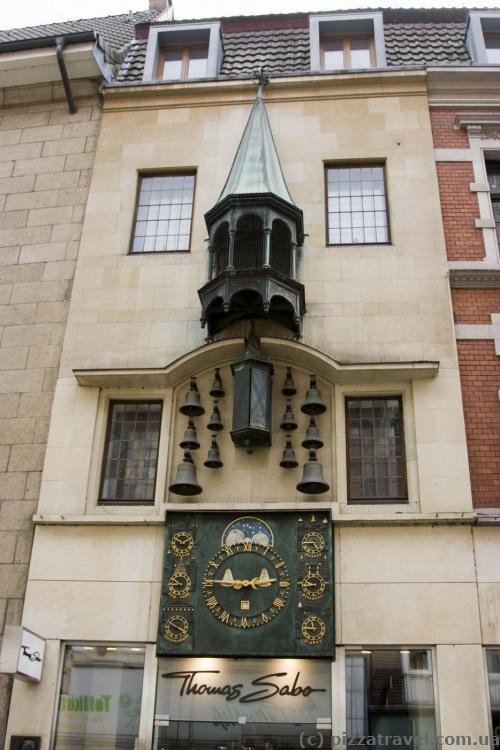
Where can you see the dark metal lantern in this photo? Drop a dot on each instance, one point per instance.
(192, 404)
(215, 424)
(289, 461)
(252, 398)
(313, 481)
(213, 459)
(288, 423)
(289, 388)
(312, 439)
(313, 403)
(185, 482)
(190, 440)
(217, 390)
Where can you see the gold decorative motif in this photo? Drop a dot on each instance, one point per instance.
(313, 629)
(182, 543)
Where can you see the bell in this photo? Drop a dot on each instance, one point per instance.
(313, 403)
(288, 422)
(289, 388)
(312, 439)
(215, 423)
(185, 482)
(313, 482)
(289, 461)
(213, 459)
(190, 440)
(217, 390)
(192, 405)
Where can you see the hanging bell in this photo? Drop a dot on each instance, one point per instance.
(215, 423)
(312, 439)
(213, 459)
(185, 482)
(217, 389)
(288, 423)
(313, 482)
(313, 403)
(190, 440)
(289, 388)
(192, 405)
(289, 461)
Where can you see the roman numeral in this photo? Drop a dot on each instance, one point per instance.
(279, 602)
(264, 617)
(229, 551)
(279, 565)
(284, 584)
(243, 622)
(212, 602)
(212, 564)
(224, 616)
(247, 546)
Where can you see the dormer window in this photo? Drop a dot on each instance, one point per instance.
(183, 52)
(483, 37)
(347, 41)
(492, 44)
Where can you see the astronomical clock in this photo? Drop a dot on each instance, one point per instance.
(247, 585)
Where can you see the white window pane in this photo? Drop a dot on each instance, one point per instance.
(176, 196)
(346, 236)
(333, 204)
(370, 235)
(345, 204)
(140, 229)
(183, 242)
(188, 181)
(379, 203)
(151, 228)
(173, 227)
(357, 219)
(153, 212)
(368, 203)
(172, 67)
(186, 211)
(145, 198)
(333, 55)
(360, 53)
(161, 243)
(492, 42)
(345, 220)
(142, 213)
(155, 198)
(175, 211)
(356, 203)
(164, 212)
(335, 236)
(358, 236)
(138, 244)
(333, 220)
(162, 227)
(380, 219)
(149, 244)
(184, 227)
(369, 219)
(197, 67)
(172, 242)
(382, 235)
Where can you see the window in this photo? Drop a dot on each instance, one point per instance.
(492, 44)
(493, 663)
(164, 213)
(375, 450)
(341, 41)
(131, 452)
(483, 37)
(100, 697)
(183, 62)
(390, 693)
(339, 53)
(356, 205)
(493, 170)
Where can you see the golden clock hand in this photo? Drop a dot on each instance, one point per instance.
(176, 627)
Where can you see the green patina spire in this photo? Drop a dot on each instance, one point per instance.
(256, 167)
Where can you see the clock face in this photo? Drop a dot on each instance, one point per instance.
(246, 585)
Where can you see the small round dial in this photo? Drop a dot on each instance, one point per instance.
(182, 543)
(313, 585)
(179, 585)
(176, 629)
(313, 629)
(313, 543)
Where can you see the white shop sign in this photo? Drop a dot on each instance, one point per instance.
(22, 653)
(290, 691)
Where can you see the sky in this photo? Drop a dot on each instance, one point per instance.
(31, 12)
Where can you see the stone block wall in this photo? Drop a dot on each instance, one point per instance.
(46, 158)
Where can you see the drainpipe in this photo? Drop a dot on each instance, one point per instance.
(64, 74)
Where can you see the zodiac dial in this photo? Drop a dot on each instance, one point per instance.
(182, 543)
(246, 585)
(313, 629)
(313, 543)
(176, 629)
(313, 585)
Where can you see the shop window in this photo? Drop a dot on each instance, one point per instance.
(390, 693)
(131, 452)
(341, 41)
(375, 450)
(164, 213)
(493, 663)
(493, 170)
(183, 51)
(100, 697)
(356, 205)
(183, 62)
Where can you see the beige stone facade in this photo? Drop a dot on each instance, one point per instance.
(46, 158)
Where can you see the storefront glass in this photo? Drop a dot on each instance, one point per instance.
(237, 704)
(390, 695)
(100, 699)
(493, 661)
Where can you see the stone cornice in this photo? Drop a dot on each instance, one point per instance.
(484, 278)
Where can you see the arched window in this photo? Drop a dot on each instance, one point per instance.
(249, 242)
(281, 249)
(220, 248)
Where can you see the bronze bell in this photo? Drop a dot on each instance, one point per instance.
(289, 388)
(215, 423)
(213, 459)
(217, 389)
(312, 439)
(289, 461)
(313, 482)
(288, 422)
(190, 440)
(185, 483)
(313, 403)
(192, 405)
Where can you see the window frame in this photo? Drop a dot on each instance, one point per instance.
(346, 24)
(188, 172)
(480, 24)
(356, 163)
(186, 49)
(185, 35)
(404, 500)
(127, 503)
(346, 39)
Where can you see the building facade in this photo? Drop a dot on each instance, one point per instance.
(261, 530)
